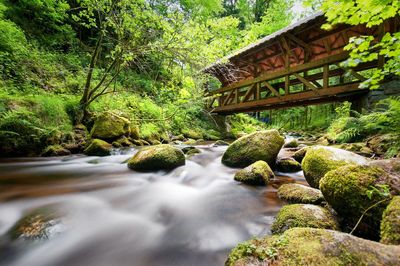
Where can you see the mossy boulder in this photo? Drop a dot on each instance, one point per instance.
(55, 150)
(288, 165)
(134, 131)
(390, 226)
(110, 126)
(193, 152)
(122, 142)
(98, 147)
(297, 193)
(380, 144)
(352, 189)
(291, 143)
(303, 215)
(300, 154)
(314, 247)
(319, 160)
(260, 145)
(220, 143)
(159, 157)
(193, 133)
(258, 173)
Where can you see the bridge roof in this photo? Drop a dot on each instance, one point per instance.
(265, 40)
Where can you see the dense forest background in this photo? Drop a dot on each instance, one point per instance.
(62, 62)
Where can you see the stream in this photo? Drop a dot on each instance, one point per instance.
(112, 216)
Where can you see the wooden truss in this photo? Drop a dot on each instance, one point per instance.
(298, 67)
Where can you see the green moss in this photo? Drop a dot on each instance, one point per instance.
(261, 145)
(292, 143)
(390, 226)
(309, 246)
(303, 215)
(193, 133)
(108, 125)
(300, 154)
(158, 157)
(348, 190)
(258, 173)
(98, 147)
(320, 160)
(55, 150)
(288, 165)
(193, 152)
(296, 193)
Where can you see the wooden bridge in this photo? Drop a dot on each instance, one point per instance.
(296, 66)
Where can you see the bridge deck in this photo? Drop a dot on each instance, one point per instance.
(299, 65)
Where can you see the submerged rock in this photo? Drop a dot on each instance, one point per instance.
(288, 165)
(110, 126)
(303, 215)
(319, 160)
(56, 150)
(310, 246)
(261, 145)
(352, 189)
(297, 193)
(390, 226)
(258, 173)
(40, 224)
(193, 152)
(98, 147)
(160, 157)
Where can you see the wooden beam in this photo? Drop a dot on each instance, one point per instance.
(294, 97)
(352, 72)
(228, 98)
(287, 84)
(273, 90)
(248, 93)
(307, 83)
(325, 78)
(278, 74)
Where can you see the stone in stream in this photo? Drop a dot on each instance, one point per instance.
(390, 225)
(55, 150)
(220, 143)
(159, 157)
(319, 160)
(110, 126)
(40, 224)
(297, 193)
(258, 173)
(291, 143)
(313, 247)
(193, 152)
(122, 142)
(288, 165)
(303, 215)
(352, 189)
(260, 145)
(300, 154)
(98, 147)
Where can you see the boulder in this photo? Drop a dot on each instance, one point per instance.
(390, 225)
(39, 224)
(319, 160)
(303, 215)
(314, 247)
(380, 144)
(220, 143)
(134, 131)
(55, 150)
(258, 173)
(193, 134)
(288, 165)
(300, 154)
(180, 137)
(98, 147)
(140, 142)
(261, 145)
(159, 157)
(193, 152)
(352, 189)
(122, 142)
(291, 143)
(110, 126)
(297, 193)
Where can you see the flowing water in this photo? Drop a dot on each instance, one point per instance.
(109, 215)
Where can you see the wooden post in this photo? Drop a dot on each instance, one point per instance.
(325, 76)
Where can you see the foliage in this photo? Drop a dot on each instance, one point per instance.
(364, 49)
